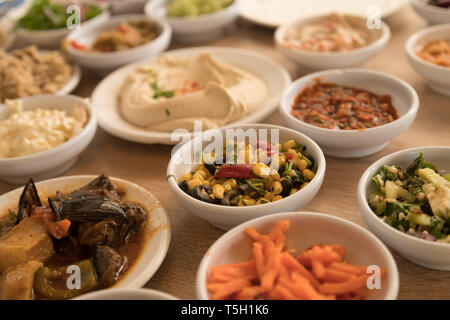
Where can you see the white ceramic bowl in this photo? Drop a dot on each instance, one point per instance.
(196, 29)
(51, 39)
(226, 217)
(127, 6)
(355, 143)
(422, 252)
(312, 60)
(53, 162)
(433, 14)
(437, 77)
(126, 294)
(158, 242)
(306, 229)
(104, 62)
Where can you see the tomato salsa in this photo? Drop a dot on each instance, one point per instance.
(329, 105)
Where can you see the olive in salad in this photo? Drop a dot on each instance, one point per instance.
(254, 175)
(414, 200)
(49, 15)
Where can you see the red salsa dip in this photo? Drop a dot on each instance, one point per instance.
(332, 106)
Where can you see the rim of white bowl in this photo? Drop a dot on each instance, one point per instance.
(279, 33)
(105, 294)
(429, 7)
(411, 45)
(166, 31)
(411, 111)
(152, 5)
(91, 125)
(202, 292)
(320, 173)
(362, 198)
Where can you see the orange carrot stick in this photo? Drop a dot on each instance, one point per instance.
(356, 282)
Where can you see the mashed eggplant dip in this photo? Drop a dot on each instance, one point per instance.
(29, 132)
(172, 92)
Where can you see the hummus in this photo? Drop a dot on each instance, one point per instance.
(172, 92)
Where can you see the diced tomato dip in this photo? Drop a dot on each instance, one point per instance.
(437, 52)
(331, 106)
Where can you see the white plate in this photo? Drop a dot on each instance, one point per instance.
(273, 13)
(157, 244)
(104, 97)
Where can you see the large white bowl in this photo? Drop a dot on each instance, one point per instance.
(226, 217)
(433, 14)
(55, 161)
(355, 143)
(196, 29)
(306, 229)
(437, 77)
(126, 6)
(104, 62)
(428, 254)
(126, 294)
(158, 226)
(51, 39)
(312, 60)
(105, 102)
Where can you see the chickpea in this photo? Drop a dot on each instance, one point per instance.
(204, 172)
(261, 170)
(268, 183)
(289, 144)
(276, 198)
(304, 184)
(245, 156)
(301, 164)
(229, 184)
(187, 177)
(193, 183)
(293, 190)
(218, 191)
(269, 196)
(276, 176)
(198, 175)
(308, 174)
(262, 201)
(276, 187)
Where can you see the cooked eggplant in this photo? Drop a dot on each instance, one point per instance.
(109, 264)
(203, 193)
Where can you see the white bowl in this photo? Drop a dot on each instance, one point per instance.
(226, 217)
(126, 294)
(196, 29)
(51, 39)
(306, 229)
(104, 62)
(105, 102)
(157, 245)
(433, 14)
(127, 6)
(428, 254)
(55, 161)
(437, 77)
(312, 60)
(355, 143)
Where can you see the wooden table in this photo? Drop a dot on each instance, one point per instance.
(146, 165)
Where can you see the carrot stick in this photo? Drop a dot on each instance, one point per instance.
(259, 258)
(282, 293)
(281, 226)
(318, 268)
(354, 283)
(223, 290)
(291, 263)
(252, 233)
(348, 268)
(332, 275)
(249, 293)
(301, 287)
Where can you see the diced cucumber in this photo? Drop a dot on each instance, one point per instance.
(419, 218)
(394, 191)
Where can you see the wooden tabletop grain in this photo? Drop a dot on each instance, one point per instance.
(146, 164)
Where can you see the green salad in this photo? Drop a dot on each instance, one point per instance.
(48, 15)
(194, 8)
(414, 200)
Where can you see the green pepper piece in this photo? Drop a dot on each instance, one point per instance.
(44, 281)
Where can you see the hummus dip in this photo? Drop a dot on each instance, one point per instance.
(172, 92)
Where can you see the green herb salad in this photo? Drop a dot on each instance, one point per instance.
(414, 200)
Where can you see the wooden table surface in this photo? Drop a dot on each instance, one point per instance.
(146, 165)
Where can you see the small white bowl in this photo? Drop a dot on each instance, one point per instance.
(55, 161)
(158, 227)
(196, 29)
(104, 62)
(226, 217)
(127, 6)
(312, 60)
(126, 294)
(306, 229)
(428, 254)
(51, 39)
(433, 14)
(355, 143)
(437, 77)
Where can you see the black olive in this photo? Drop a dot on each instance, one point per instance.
(229, 197)
(203, 193)
(287, 185)
(211, 168)
(184, 186)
